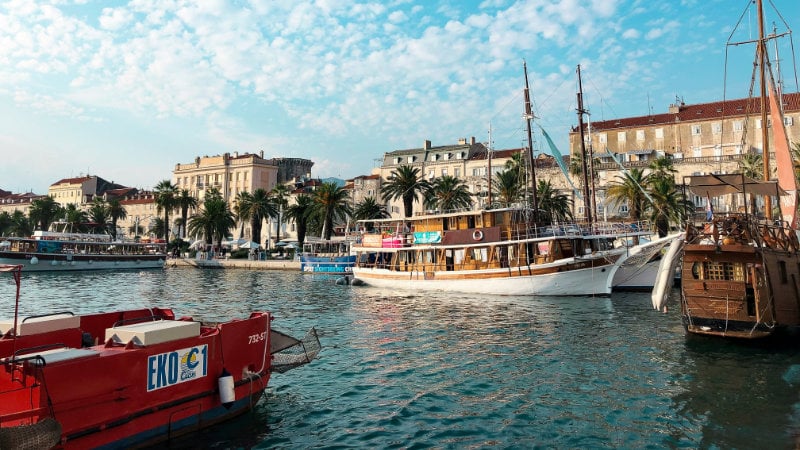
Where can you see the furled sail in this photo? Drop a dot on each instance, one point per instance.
(560, 160)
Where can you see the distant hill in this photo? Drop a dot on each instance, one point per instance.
(339, 182)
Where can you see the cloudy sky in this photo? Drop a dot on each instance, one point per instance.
(127, 89)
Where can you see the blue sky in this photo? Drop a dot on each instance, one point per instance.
(126, 90)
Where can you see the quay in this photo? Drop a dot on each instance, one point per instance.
(272, 264)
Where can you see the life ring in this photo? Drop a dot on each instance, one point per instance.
(477, 235)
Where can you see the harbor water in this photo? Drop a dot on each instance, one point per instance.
(414, 370)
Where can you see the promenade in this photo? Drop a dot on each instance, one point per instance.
(272, 264)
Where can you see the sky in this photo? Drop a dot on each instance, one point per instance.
(128, 89)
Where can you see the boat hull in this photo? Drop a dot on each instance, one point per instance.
(327, 264)
(549, 280)
(48, 262)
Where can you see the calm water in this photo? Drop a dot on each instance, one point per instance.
(454, 371)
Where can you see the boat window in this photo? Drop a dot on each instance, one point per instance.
(479, 254)
(724, 271)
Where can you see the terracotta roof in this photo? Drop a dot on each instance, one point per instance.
(76, 180)
(700, 111)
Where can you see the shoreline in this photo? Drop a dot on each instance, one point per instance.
(288, 264)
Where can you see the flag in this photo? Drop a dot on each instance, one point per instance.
(709, 209)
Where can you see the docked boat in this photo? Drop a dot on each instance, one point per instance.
(327, 257)
(500, 251)
(741, 271)
(132, 378)
(640, 270)
(60, 250)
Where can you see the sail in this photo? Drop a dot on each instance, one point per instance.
(560, 160)
(783, 159)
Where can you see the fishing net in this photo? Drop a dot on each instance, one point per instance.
(44, 434)
(300, 353)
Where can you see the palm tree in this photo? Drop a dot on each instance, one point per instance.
(75, 217)
(507, 188)
(21, 225)
(165, 193)
(184, 201)
(5, 222)
(668, 204)
(369, 209)
(44, 211)
(404, 183)
(629, 189)
(256, 208)
(752, 166)
(98, 215)
(214, 220)
(157, 227)
(447, 193)
(662, 167)
(280, 194)
(116, 212)
(300, 212)
(557, 207)
(332, 202)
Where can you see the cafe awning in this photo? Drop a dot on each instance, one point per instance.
(735, 183)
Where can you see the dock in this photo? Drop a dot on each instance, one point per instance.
(271, 264)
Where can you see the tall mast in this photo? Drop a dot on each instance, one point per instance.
(489, 174)
(587, 208)
(528, 118)
(762, 57)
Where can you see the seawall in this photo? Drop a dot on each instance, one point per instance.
(274, 264)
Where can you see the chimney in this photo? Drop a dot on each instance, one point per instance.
(426, 145)
(472, 140)
(462, 141)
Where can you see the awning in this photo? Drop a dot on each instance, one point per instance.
(716, 185)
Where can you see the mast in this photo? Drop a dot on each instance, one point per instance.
(587, 208)
(489, 174)
(762, 57)
(528, 118)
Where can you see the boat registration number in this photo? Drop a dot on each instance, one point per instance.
(175, 367)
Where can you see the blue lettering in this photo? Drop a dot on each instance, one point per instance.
(162, 371)
(205, 359)
(151, 370)
(173, 367)
(191, 358)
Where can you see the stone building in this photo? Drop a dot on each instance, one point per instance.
(701, 138)
(80, 190)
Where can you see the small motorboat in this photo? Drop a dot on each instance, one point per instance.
(132, 378)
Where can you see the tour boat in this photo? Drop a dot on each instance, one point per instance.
(499, 251)
(327, 257)
(741, 272)
(132, 378)
(67, 251)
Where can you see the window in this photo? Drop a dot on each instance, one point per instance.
(716, 128)
(623, 208)
(621, 136)
(788, 121)
(678, 155)
(697, 152)
(410, 159)
(602, 138)
(457, 172)
(659, 133)
(738, 125)
(758, 124)
(695, 130)
(398, 160)
(444, 172)
(479, 172)
(738, 149)
(431, 174)
(639, 135)
(717, 150)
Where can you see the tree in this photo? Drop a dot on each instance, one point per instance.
(44, 211)
(662, 168)
(332, 203)
(184, 201)
(300, 212)
(98, 215)
(214, 220)
(116, 212)
(280, 194)
(157, 226)
(556, 207)
(256, 208)
(752, 166)
(628, 188)
(5, 223)
(370, 209)
(75, 217)
(447, 193)
(404, 183)
(668, 204)
(507, 188)
(21, 225)
(165, 193)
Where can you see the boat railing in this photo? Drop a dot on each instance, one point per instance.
(743, 229)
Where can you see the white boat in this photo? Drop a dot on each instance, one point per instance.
(497, 251)
(640, 269)
(49, 251)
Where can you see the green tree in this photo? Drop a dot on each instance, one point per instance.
(5, 223)
(662, 168)
(405, 183)
(21, 225)
(332, 203)
(116, 212)
(447, 193)
(507, 188)
(668, 204)
(184, 201)
(628, 189)
(165, 196)
(752, 166)
(370, 209)
(98, 215)
(214, 220)
(256, 208)
(75, 217)
(44, 211)
(280, 194)
(157, 227)
(556, 207)
(300, 212)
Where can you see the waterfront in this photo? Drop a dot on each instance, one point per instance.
(455, 371)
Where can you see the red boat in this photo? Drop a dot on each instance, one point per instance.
(132, 378)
